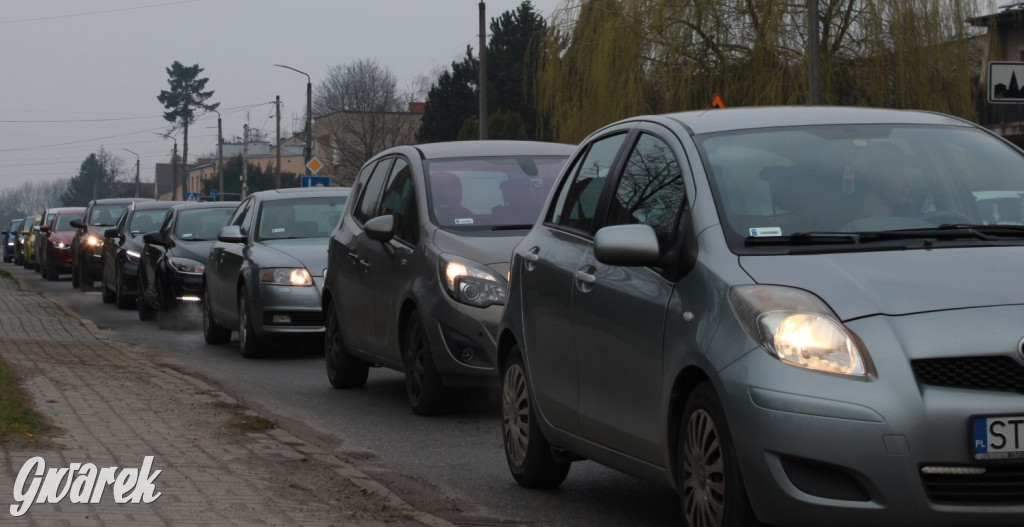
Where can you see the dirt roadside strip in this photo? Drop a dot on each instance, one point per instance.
(113, 406)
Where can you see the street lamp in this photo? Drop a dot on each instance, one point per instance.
(309, 116)
(137, 163)
(174, 167)
(220, 158)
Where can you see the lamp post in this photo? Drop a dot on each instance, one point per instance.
(220, 157)
(309, 116)
(174, 167)
(137, 163)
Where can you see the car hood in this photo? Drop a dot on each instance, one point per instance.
(493, 251)
(899, 282)
(308, 252)
(62, 236)
(198, 250)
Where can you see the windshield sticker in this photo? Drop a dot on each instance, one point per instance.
(765, 231)
(278, 229)
(463, 221)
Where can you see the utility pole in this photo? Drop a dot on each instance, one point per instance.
(245, 160)
(137, 166)
(483, 71)
(220, 160)
(176, 177)
(813, 54)
(309, 116)
(277, 169)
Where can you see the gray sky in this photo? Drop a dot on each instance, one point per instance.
(77, 75)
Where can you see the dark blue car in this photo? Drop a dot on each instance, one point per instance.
(11, 237)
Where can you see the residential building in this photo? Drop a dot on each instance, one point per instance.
(345, 140)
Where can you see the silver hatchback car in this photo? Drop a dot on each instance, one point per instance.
(416, 273)
(796, 316)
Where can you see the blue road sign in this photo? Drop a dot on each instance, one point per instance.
(316, 181)
(191, 196)
(213, 193)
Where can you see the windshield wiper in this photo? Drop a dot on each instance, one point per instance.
(805, 238)
(511, 227)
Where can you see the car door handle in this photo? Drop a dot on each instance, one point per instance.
(585, 277)
(356, 260)
(531, 258)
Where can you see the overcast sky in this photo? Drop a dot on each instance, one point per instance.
(79, 75)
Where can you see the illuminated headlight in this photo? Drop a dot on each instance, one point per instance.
(471, 283)
(297, 276)
(133, 256)
(10, 243)
(59, 245)
(93, 241)
(798, 328)
(186, 266)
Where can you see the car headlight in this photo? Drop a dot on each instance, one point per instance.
(59, 245)
(185, 265)
(297, 276)
(798, 328)
(93, 241)
(133, 257)
(471, 283)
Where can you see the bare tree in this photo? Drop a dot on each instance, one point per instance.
(31, 197)
(359, 113)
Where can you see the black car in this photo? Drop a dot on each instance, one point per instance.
(173, 258)
(122, 248)
(87, 246)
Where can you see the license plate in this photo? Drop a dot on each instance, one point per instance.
(1000, 437)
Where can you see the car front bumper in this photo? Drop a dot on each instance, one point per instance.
(463, 338)
(279, 310)
(821, 449)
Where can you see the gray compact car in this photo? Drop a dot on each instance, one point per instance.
(264, 273)
(796, 316)
(417, 268)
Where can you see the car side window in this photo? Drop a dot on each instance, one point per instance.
(399, 200)
(165, 227)
(368, 201)
(651, 190)
(577, 200)
(242, 217)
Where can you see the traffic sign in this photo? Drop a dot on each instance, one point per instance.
(314, 165)
(213, 193)
(191, 196)
(316, 181)
(1004, 82)
(717, 101)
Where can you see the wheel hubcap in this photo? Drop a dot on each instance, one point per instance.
(703, 472)
(515, 413)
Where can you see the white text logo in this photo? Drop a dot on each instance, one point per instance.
(82, 483)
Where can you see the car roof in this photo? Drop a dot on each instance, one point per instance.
(749, 118)
(151, 205)
(492, 148)
(67, 210)
(206, 205)
(117, 201)
(295, 192)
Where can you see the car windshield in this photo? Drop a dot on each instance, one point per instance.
(144, 221)
(64, 222)
(106, 215)
(775, 183)
(200, 224)
(490, 192)
(308, 217)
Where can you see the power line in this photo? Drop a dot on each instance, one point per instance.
(90, 13)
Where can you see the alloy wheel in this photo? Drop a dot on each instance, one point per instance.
(703, 472)
(515, 412)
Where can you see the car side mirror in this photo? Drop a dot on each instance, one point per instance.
(44, 228)
(381, 228)
(112, 233)
(231, 234)
(153, 238)
(627, 245)
(77, 224)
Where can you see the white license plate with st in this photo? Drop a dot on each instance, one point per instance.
(998, 437)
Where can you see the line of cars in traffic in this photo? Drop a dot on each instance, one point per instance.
(791, 316)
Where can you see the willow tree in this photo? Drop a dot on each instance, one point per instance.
(607, 59)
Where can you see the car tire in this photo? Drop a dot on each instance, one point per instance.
(107, 295)
(164, 312)
(146, 311)
(84, 280)
(74, 273)
(711, 488)
(527, 451)
(51, 276)
(213, 333)
(343, 370)
(247, 340)
(423, 384)
(121, 299)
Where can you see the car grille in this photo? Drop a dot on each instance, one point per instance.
(998, 485)
(978, 373)
(298, 318)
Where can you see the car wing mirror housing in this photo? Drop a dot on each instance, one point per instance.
(44, 228)
(231, 234)
(112, 233)
(381, 228)
(153, 238)
(627, 245)
(77, 224)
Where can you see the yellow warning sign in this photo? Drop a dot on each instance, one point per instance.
(717, 101)
(314, 165)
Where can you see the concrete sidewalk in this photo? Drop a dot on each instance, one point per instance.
(112, 406)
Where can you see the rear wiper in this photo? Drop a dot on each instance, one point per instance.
(805, 238)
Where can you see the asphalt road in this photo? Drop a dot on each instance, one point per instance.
(451, 465)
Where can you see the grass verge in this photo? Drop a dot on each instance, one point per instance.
(18, 421)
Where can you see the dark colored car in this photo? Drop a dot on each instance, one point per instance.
(87, 246)
(55, 245)
(11, 238)
(417, 269)
(122, 248)
(39, 241)
(266, 268)
(173, 258)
